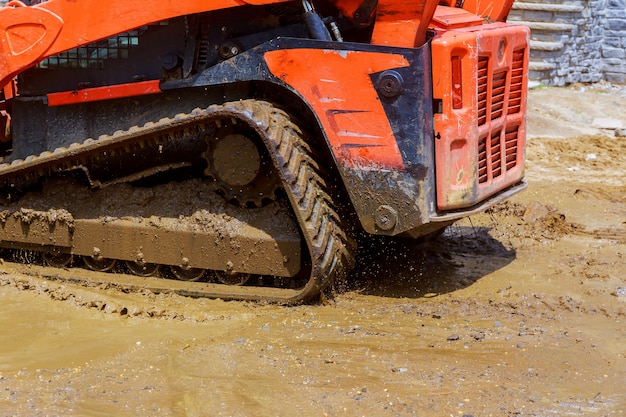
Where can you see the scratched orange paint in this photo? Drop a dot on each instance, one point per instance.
(343, 95)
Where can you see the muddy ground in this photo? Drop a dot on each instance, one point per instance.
(518, 311)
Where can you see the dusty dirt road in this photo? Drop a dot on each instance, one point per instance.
(519, 311)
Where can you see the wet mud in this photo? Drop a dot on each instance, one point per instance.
(517, 311)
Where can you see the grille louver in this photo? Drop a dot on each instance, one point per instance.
(510, 146)
(483, 73)
(498, 96)
(517, 78)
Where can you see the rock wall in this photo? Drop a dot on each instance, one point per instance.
(575, 40)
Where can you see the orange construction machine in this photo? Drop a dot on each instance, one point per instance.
(232, 148)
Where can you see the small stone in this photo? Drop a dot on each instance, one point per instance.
(536, 211)
(453, 337)
(478, 336)
(619, 292)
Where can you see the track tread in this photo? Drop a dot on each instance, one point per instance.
(332, 250)
(330, 244)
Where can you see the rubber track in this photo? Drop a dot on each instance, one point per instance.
(331, 248)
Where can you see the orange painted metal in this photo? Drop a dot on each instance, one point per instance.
(403, 23)
(6, 94)
(479, 147)
(489, 10)
(29, 34)
(9, 91)
(25, 35)
(104, 93)
(342, 94)
(453, 18)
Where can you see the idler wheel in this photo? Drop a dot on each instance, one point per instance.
(232, 278)
(57, 259)
(187, 274)
(99, 264)
(143, 269)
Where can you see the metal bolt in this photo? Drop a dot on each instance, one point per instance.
(390, 84)
(385, 217)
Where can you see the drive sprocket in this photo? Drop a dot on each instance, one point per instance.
(238, 164)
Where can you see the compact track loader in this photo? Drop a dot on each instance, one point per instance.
(232, 148)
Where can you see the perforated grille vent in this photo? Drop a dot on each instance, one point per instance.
(498, 89)
(491, 151)
(92, 56)
(517, 78)
(500, 93)
(492, 90)
(510, 145)
(483, 74)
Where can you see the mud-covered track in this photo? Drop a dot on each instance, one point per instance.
(330, 249)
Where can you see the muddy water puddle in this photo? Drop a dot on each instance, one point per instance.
(38, 334)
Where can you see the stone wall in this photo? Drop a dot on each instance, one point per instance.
(576, 40)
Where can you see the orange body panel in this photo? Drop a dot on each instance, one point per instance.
(480, 145)
(343, 96)
(7, 93)
(490, 10)
(30, 34)
(453, 18)
(401, 23)
(25, 34)
(104, 93)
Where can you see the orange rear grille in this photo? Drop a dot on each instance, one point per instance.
(483, 73)
(490, 153)
(498, 96)
(495, 95)
(498, 89)
(482, 160)
(490, 157)
(510, 146)
(485, 137)
(517, 79)
(496, 154)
